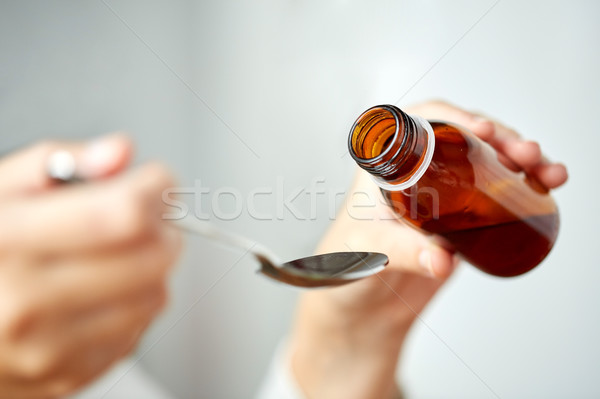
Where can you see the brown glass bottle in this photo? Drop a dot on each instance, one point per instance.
(443, 180)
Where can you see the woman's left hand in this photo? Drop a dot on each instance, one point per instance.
(346, 340)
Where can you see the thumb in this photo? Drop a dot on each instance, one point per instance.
(407, 249)
(26, 171)
(439, 262)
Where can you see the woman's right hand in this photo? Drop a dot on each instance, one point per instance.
(83, 267)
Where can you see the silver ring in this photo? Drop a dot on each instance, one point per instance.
(61, 166)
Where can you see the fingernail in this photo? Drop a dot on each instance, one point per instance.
(425, 262)
(98, 156)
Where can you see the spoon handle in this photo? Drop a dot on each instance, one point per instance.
(212, 232)
(62, 168)
(208, 230)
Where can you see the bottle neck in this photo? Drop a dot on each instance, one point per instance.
(393, 147)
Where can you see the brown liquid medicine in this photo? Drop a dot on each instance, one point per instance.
(442, 180)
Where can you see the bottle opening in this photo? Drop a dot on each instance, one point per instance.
(395, 148)
(374, 133)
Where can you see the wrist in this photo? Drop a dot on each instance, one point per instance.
(344, 355)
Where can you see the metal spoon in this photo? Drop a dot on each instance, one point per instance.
(314, 271)
(330, 269)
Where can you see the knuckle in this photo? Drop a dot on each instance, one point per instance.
(139, 204)
(138, 201)
(19, 317)
(68, 382)
(37, 364)
(158, 173)
(152, 178)
(488, 124)
(536, 148)
(132, 217)
(486, 129)
(45, 147)
(441, 104)
(62, 387)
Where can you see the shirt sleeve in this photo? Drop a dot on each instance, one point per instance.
(279, 382)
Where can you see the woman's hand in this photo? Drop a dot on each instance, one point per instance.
(83, 267)
(346, 340)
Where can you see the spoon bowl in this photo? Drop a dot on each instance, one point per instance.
(324, 270)
(329, 269)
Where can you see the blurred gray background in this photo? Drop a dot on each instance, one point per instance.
(259, 94)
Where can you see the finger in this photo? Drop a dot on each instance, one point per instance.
(520, 155)
(104, 338)
(508, 163)
(483, 127)
(551, 175)
(80, 350)
(84, 282)
(26, 171)
(421, 256)
(515, 153)
(440, 262)
(407, 249)
(87, 216)
(109, 332)
(524, 154)
(38, 299)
